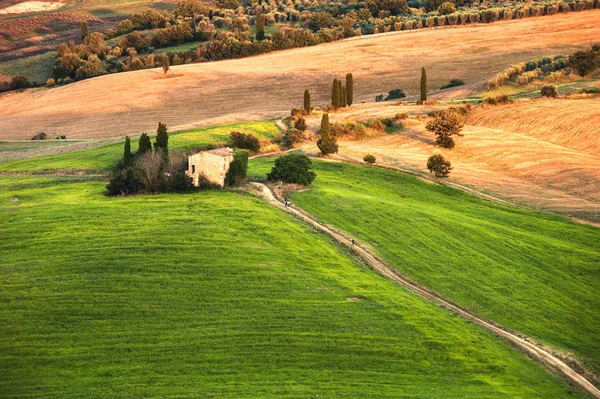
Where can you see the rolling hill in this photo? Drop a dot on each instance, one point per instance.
(270, 85)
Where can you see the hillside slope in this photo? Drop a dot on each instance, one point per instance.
(217, 294)
(539, 153)
(271, 84)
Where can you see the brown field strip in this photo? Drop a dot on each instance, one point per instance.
(538, 164)
(271, 84)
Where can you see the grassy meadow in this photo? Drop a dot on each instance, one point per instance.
(218, 294)
(105, 157)
(531, 272)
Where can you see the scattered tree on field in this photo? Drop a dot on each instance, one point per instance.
(326, 143)
(369, 158)
(144, 145)
(307, 106)
(445, 125)
(165, 64)
(423, 85)
(439, 166)
(162, 139)
(245, 140)
(349, 89)
(344, 97)
(292, 168)
(583, 62)
(84, 30)
(549, 91)
(260, 26)
(300, 124)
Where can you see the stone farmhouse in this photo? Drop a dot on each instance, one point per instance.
(210, 165)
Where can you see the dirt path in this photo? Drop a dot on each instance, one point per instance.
(536, 352)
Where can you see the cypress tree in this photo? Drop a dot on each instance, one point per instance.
(334, 94)
(127, 156)
(162, 139)
(340, 93)
(85, 30)
(307, 107)
(144, 144)
(165, 64)
(260, 26)
(349, 89)
(423, 85)
(344, 97)
(326, 143)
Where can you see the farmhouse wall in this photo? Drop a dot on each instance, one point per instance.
(210, 165)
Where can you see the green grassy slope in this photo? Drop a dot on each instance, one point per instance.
(222, 295)
(105, 157)
(535, 273)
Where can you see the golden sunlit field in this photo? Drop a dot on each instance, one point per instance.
(270, 85)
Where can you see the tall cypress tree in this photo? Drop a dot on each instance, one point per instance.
(127, 156)
(260, 26)
(144, 144)
(334, 94)
(344, 97)
(307, 107)
(349, 89)
(162, 139)
(85, 30)
(423, 85)
(326, 143)
(340, 93)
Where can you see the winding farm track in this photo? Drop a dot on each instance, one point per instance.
(536, 352)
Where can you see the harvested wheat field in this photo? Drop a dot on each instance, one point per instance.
(548, 162)
(270, 85)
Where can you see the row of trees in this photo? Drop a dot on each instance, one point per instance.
(150, 169)
(583, 63)
(342, 95)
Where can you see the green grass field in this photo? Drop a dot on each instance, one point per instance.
(105, 157)
(217, 294)
(531, 272)
(37, 68)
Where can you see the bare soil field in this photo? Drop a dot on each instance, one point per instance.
(32, 6)
(535, 153)
(271, 84)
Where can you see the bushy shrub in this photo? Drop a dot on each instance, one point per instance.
(300, 124)
(499, 99)
(292, 168)
(453, 83)
(295, 135)
(19, 82)
(369, 158)
(401, 116)
(379, 98)
(245, 140)
(439, 166)
(123, 182)
(549, 91)
(40, 136)
(377, 125)
(395, 94)
(447, 8)
(237, 169)
(50, 82)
